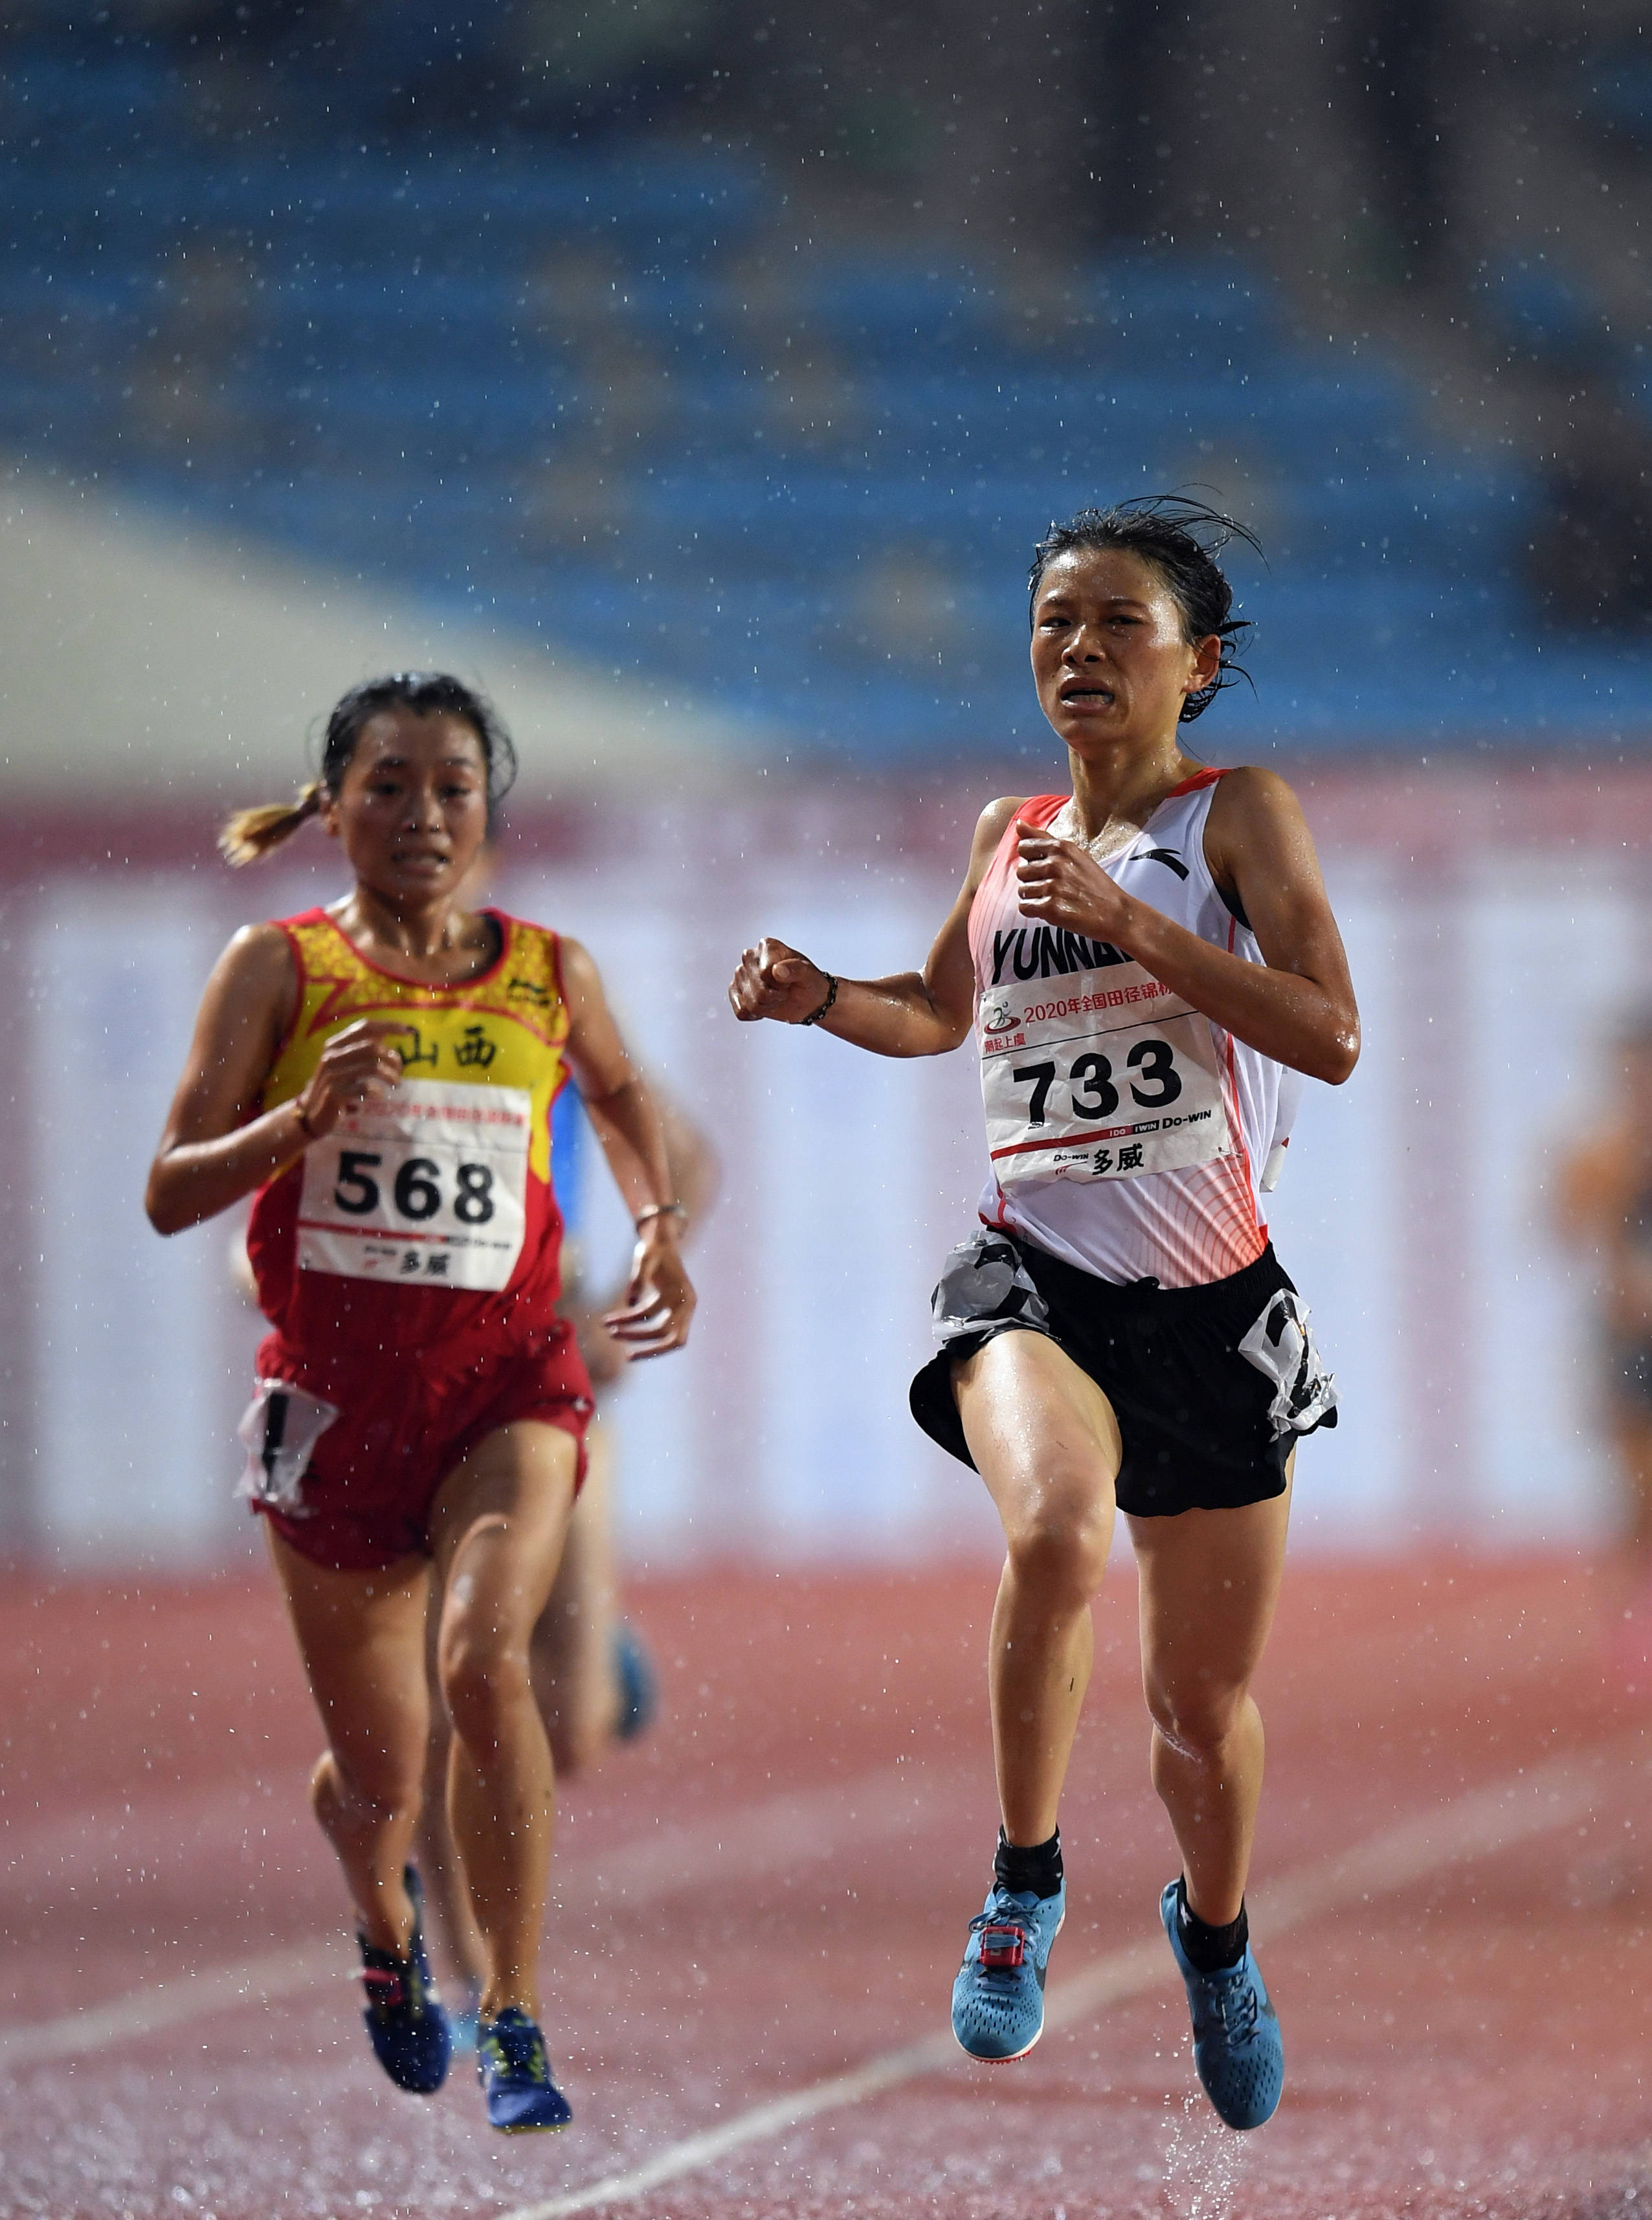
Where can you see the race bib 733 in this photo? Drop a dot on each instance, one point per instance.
(1100, 1075)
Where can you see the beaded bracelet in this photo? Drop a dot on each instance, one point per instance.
(815, 1016)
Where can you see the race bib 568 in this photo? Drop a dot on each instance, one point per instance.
(431, 1187)
(1095, 1076)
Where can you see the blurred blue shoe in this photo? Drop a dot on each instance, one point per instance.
(1238, 2048)
(998, 1997)
(404, 2014)
(515, 2076)
(633, 1669)
(462, 2024)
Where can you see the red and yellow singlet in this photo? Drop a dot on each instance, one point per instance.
(431, 1215)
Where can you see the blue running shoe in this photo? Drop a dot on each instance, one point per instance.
(998, 1997)
(633, 1669)
(404, 2014)
(515, 2076)
(462, 2024)
(1237, 2044)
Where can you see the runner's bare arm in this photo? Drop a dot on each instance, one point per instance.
(1298, 1006)
(914, 1013)
(694, 1174)
(659, 1300)
(214, 1150)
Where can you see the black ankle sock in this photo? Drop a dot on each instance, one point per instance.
(1022, 1871)
(1211, 1949)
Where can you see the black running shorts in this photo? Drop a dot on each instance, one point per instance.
(1211, 1386)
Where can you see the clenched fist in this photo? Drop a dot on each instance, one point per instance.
(1061, 882)
(773, 980)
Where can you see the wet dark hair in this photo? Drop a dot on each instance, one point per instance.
(250, 834)
(1181, 538)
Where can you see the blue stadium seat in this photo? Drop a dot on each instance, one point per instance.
(566, 386)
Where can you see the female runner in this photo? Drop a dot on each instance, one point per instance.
(381, 1072)
(1145, 962)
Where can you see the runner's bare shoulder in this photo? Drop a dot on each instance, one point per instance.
(1253, 805)
(991, 825)
(256, 978)
(260, 954)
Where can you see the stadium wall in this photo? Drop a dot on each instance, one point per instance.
(1496, 918)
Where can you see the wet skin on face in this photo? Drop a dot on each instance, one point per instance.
(1110, 656)
(411, 811)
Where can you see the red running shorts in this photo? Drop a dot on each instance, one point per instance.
(345, 1451)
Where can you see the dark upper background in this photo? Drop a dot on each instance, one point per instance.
(751, 351)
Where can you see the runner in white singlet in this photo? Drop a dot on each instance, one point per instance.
(1149, 965)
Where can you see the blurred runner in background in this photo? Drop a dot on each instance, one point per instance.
(1604, 1203)
(592, 1675)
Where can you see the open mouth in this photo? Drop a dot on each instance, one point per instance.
(1087, 696)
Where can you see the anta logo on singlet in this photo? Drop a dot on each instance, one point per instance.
(1039, 951)
(1167, 856)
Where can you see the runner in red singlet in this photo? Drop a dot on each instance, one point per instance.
(379, 1075)
(1147, 962)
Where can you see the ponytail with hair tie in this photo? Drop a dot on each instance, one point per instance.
(251, 834)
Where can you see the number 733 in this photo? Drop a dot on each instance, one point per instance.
(1090, 1081)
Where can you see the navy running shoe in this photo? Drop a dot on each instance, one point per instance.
(633, 1669)
(1237, 2044)
(404, 2014)
(998, 1997)
(515, 2076)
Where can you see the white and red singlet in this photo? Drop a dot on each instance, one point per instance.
(1128, 1134)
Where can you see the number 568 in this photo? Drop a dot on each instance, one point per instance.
(416, 1192)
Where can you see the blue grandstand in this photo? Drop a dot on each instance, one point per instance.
(600, 396)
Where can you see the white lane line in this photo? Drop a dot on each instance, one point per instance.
(1486, 1819)
(272, 1974)
(752, 1842)
(748, 1842)
(85, 1845)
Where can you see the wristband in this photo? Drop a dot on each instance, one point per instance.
(660, 1210)
(305, 1126)
(815, 1016)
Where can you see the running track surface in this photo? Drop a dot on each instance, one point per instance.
(1451, 1900)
